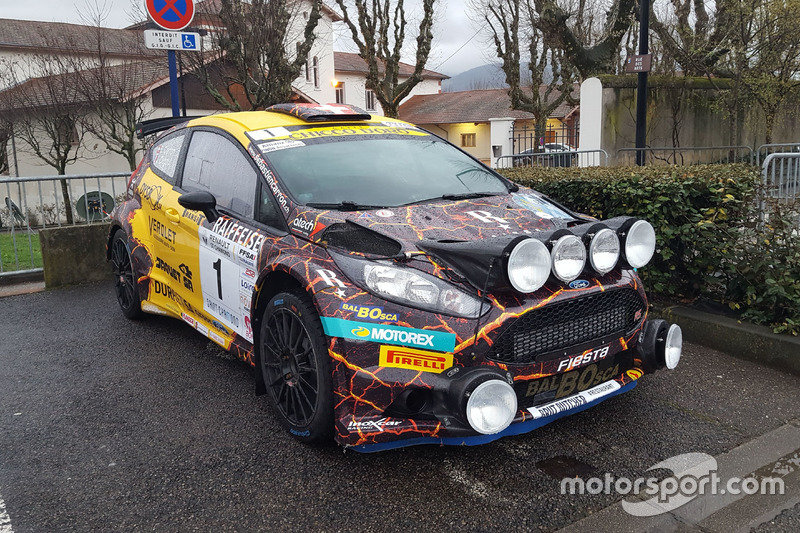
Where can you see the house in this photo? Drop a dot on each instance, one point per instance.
(41, 50)
(483, 124)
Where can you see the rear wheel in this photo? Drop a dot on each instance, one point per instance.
(294, 366)
(124, 277)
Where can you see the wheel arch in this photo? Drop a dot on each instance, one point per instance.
(115, 227)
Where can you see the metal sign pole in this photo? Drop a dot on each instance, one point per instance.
(173, 83)
(641, 89)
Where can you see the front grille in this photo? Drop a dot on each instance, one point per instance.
(570, 323)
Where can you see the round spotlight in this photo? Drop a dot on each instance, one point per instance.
(568, 257)
(491, 407)
(529, 265)
(640, 244)
(604, 251)
(673, 346)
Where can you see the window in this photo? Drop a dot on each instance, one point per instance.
(369, 97)
(340, 93)
(165, 156)
(216, 165)
(268, 212)
(315, 68)
(467, 140)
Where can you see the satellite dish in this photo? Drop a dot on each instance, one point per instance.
(94, 206)
(14, 210)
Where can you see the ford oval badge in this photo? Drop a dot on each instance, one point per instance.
(579, 284)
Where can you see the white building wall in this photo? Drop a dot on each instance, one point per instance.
(322, 49)
(355, 90)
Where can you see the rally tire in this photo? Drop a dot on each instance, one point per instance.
(125, 284)
(293, 361)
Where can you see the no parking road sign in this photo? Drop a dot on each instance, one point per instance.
(171, 15)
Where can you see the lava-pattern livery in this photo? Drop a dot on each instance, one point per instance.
(363, 390)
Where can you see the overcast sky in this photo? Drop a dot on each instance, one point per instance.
(453, 28)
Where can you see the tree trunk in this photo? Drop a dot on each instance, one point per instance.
(67, 201)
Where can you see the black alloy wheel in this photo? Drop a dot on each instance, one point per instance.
(124, 277)
(294, 366)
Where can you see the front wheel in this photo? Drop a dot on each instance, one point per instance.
(124, 277)
(294, 366)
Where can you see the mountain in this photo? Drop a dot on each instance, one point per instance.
(489, 76)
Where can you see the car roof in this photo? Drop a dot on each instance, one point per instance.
(238, 123)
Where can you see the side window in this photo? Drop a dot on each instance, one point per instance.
(268, 212)
(165, 155)
(215, 164)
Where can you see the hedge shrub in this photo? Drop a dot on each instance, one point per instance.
(709, 239)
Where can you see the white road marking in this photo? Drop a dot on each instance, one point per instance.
(5, 520)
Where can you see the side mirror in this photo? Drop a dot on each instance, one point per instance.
(202, 201)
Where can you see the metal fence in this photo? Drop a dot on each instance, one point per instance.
(33, 203)
(581, 158)
(765, 150)
(524, 138)
(689, 155)
(780, 174)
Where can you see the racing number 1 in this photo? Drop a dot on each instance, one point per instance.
(218, 267)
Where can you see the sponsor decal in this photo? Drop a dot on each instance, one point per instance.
(412, 359)
(165, 290)
(582, 398)
(246, 257)
(638, 314)
(270, 177)
(634, 373)
(239, 234)
(162, 265)
(152, 194)
(250, 273)
(248, 327)
(370, 313)
(539, 205)
(217, 309)
(578, 284)
(305, 433)
(220, 327)
(589, 356)
(562, 385)
(330, 279)
(201, 328)
(162, 233)
(384, 213)
(187, 276)
(372, 425)
(189, 320)
(245, 300)
(305, 227)
(272, 146)
(331, 132)
(487, 218)
(195, 216)
(246, 285)
(216, 338)
(387, 334)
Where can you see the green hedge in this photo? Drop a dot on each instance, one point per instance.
(710, 241)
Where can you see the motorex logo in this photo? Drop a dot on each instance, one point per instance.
(386, 334)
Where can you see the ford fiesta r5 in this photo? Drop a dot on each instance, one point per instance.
(387, 288)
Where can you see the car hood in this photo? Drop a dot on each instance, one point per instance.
(520, 213)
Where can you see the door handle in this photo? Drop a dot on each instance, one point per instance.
(172, 215)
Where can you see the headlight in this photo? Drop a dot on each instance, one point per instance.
(529, 265)
(640, 244)
(409, 286)
(491, 407)
(604, 251)
(568, 257)
(673, 346)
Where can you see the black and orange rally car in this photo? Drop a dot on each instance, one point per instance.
(387, 288)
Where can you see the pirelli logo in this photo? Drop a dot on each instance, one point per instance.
(411, 359)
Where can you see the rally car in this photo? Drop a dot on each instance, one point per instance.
(387, 288)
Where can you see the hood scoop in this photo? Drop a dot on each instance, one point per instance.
(353, 237)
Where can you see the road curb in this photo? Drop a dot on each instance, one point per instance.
(739, 339)
(25, 276)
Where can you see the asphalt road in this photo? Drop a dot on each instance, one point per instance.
(113, 425)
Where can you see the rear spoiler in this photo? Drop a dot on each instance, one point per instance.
(148, 127)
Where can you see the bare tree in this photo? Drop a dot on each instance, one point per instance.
(379, 32)
(250, 65)
(46, 115)
(513, 24)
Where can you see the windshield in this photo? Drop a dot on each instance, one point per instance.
(386, 169)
